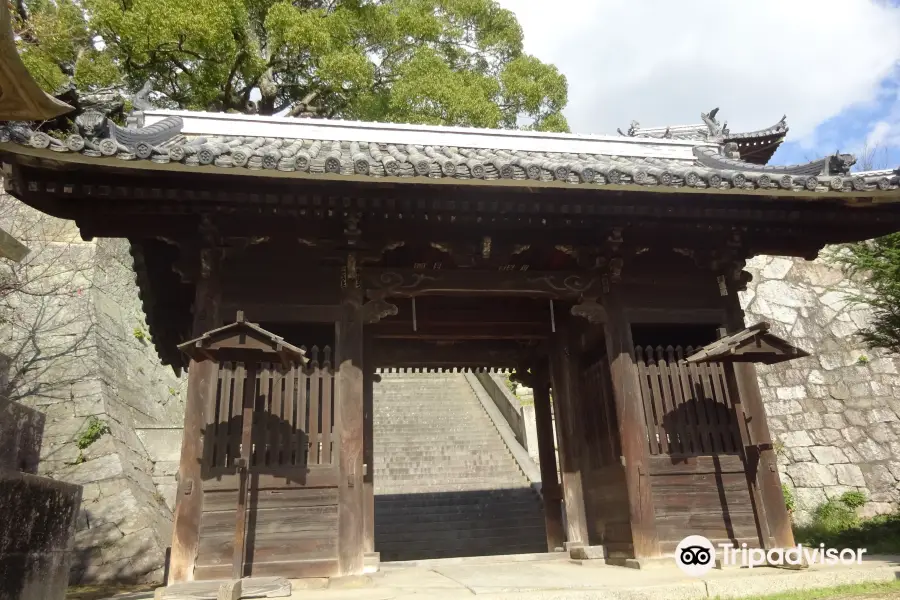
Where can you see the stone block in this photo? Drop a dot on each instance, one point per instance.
(882, 433)
(796, 439)
(878, 477)
(871, 451)
(587, 553)
(800, 454)
(782, 407)
(848, 474)
(808, 499)
(828, 455)
(828, 437)
(853, 434)
(35, 533)
(99, 469)
(834, 420)
(811, 475)
(161, 444)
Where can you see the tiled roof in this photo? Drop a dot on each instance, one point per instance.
(176, 137)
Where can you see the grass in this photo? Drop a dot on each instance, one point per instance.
(878, 535)
(843, 592)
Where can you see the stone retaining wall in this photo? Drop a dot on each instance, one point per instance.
(83, 312)
(835, 413)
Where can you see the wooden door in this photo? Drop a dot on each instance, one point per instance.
(292, 492)
(701, 480)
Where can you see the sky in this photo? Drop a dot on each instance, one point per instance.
(831, 66)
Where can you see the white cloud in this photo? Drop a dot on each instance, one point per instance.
(879, 134)
(662, 62)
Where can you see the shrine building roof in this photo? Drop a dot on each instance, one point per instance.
(703, 156)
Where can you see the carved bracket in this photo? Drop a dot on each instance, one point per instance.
(375, 310)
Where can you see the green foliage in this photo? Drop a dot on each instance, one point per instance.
(789, 501)
(94, 431)
(511, 385)
(878, 263)
(139, 334)
(854, 499)
(418, 61)
(173, 391)
(862, 360)
(878, 535)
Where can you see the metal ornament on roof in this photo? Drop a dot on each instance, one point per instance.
(753, 344)
(243, 341)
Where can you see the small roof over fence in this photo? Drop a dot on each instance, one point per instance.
(753, 344)
(242, 341)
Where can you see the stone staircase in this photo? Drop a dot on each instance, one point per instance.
(446, 484)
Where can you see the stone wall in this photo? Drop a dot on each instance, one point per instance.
(78, 342)
(834, 414)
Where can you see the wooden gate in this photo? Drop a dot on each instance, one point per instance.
(702, 482)
(292, 503)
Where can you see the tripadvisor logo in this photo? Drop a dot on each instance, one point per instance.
(696, 555)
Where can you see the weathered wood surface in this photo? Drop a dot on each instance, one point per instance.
(350, 394)
(687, 407)
(550, 487)
(201, 393)
(292, 475)
(761, 450)
(607, 509)
(716, 506)
(240, 528)
(633, 429)
(570, 433)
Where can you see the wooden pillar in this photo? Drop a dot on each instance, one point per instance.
(351, 509)
(761, 451)
(569, 428)
(632, 427)
(368, 445)
(202, 381)
(550, 488)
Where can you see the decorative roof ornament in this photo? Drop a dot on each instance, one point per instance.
(98, 134)
(717, 132)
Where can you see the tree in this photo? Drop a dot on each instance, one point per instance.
(421, 61)
(877, 263)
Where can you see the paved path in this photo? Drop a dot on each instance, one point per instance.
(564, 580)
(503, 578)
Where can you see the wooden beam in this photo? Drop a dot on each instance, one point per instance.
(632, 427)
(550, 488)
(761, 451)
(202, 381)
(279, 312)
(469, 354)
(407, 283)
(351, 493)
(369, 441)
(564, 360)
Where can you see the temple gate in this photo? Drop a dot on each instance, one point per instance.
(594, 266)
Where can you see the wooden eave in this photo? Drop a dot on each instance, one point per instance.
(21, 99)
(753, 344)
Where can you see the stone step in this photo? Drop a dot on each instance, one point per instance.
(440, 475)
(405, 487)
(390, 556)
(402, 515)
(461, 497)
(459, 529)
